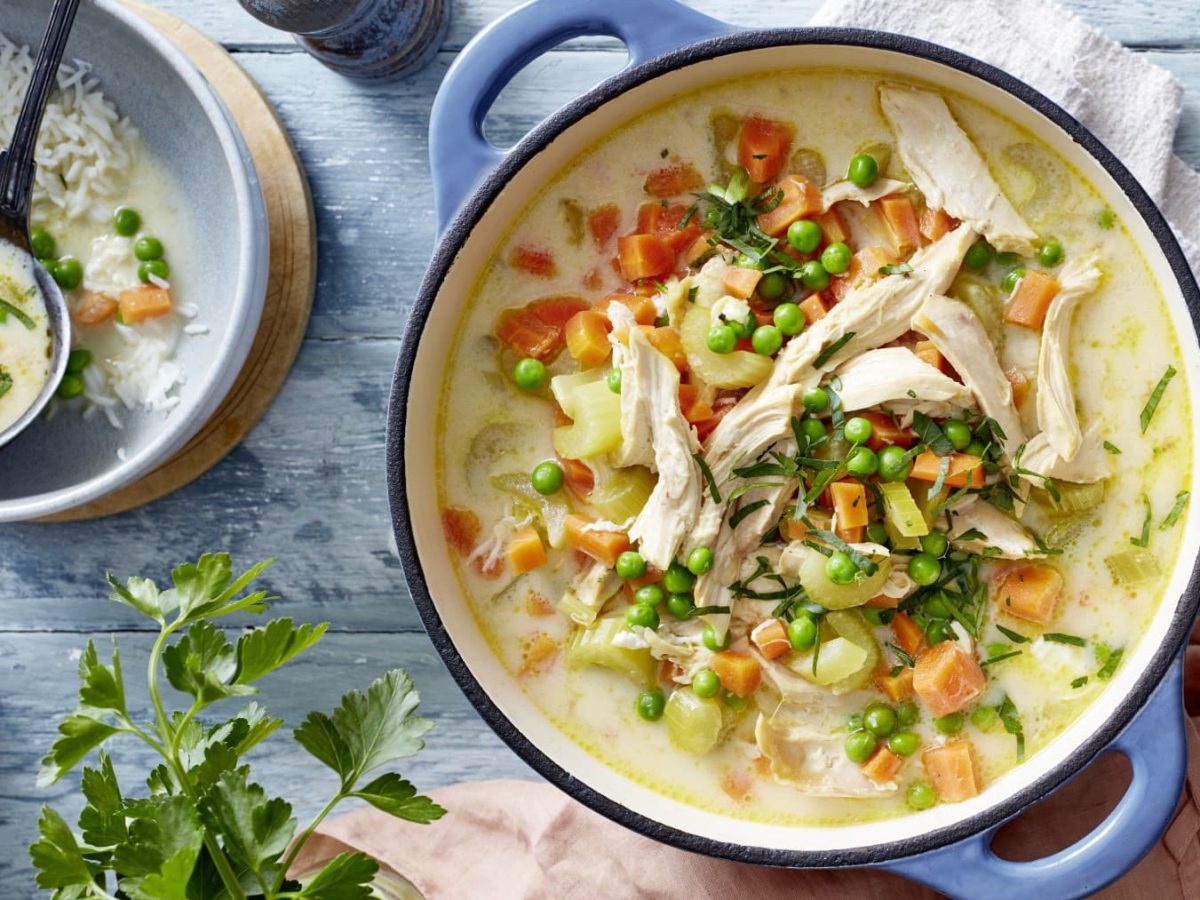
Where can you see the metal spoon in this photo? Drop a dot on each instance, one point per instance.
(16, 190)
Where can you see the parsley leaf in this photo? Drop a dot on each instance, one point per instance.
(1011, 720)
(1056, 637)
(392, 794)
(1112, 448)
(1144, 539)
(57, 855)
(345, 877)
(1181, 502)
(1156, 397)
(829, 352)
(931, 434)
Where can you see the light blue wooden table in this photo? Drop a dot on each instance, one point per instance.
(308, 485)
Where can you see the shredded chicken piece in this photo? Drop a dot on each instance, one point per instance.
(949, 170)
(1091, 462)
(491, 548)
(594, 585)
(1055, 396)
(897, 378)
(671, 510)
(813, 762)
(1000, 531)
(961, 338)
(840, 191)
(899, 583)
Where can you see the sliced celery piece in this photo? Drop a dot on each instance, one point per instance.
(738, 369)
(1133, 567)
(899, 541)
(597, 425)
(1073, 499)
(576, 610)
(694, 724)
(839, 659)
(853, 627)
(564, 388)
(594, 647)
(902, 511)
(624, 494)
(552, 510)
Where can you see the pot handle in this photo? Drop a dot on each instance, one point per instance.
(1156, 745)
(459, 155)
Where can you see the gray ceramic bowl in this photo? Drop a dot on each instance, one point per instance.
(59, 464)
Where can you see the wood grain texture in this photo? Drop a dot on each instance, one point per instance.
(307, 486)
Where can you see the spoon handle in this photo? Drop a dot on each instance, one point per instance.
(16, 164)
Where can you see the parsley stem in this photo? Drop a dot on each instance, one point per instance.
(94, 890)
(298, 843)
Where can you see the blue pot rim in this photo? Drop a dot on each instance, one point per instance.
(447, 250)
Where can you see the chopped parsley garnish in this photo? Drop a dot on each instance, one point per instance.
(931, 435)
(1057, 637)
(1145, 536)
(6, 381)
(1106, 219)
(1155, 397)
(896, 269)
(971, 534)
(865, 563)
(1000, 658)
(742, 512)
(708, 477)
(1109, 659)
(1079, 682)
(664, 153)
(1012, 724)
(1015, 636)
(1181, 502)
(7, 309)
(828, 353)
(1112, 448)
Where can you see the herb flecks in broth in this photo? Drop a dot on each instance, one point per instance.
(837, 515)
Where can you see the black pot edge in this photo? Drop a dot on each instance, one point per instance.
(445, 253)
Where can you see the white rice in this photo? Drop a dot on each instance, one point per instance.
(85, 153)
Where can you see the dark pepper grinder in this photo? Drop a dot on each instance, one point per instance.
(361, 38)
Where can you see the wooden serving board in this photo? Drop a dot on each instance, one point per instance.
(290, 286)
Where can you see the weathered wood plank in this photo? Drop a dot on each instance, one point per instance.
(38, 674)
(1170, 23)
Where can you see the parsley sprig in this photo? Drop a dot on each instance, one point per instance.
(206, 829)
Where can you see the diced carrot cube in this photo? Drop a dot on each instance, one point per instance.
(936, 223)
(604, 546)
(1031, 299)
(763, 146)
(901, 221)
(693, 409)
(898, 687)
(525, 551)
(643, 308)
(578, 477)
(928, 353)
(741, 282)
(650, 576)
(461, 527)
(771, 638)
(644, 256)
(664, 223)
(709, 425)
(884, 431)
(883, 601)
(813, 308)
(963, 468)
(952, 771)
(536, 261)
(94, 309)
(700, 250)
(740, 673)
(536, 329)
(800, 198)
(146, 302)
(907, 635)
(673, 180)
(833, 226)
(852, 535)
(1028, 591)
(850, 503)
(869, 261)
(947, 678)
(1020, 385)
(587, 337)
(603, 222)
(793, 529)
(883, 766)
(666, 341)
(537, 652)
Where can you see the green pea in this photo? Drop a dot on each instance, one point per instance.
(938, 630)
(804, 236)
(1009, 283)
(126, 221)
(836, 258)
(1051, 253)
(700, 560)
(157, 268)
(734, 702)
(984, 717)
(677, 579)
(813, 428)
(879, 719)
(857, 430)
(920, 796)
(630, 564)
(649, 595)
(745, 328)
(706, 683)
(938, 607)
(709, 639)
(863, 170)
(813, 275)
(70, 387)
(78, 360)
(641, 615)
(547, 477)
(1008, 260)
(860, 745)
(924, 569)
(774, 286)
(958, 433)
(147, 247)
(789, 319)
(529, 374)
(876, 533)
(975, 448)
(721, 339)
(862, 462)
(854, 722)
(908, 713)
(42, 243)
(68, 273)
(802, 632)
(979, 254)
(815, 400)
(766, 340)
(840, 568)
(935, 543)
(650, 705)
(613, 379)
(904, 743)
(950, 724)
(680, 605)
(894, 464)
